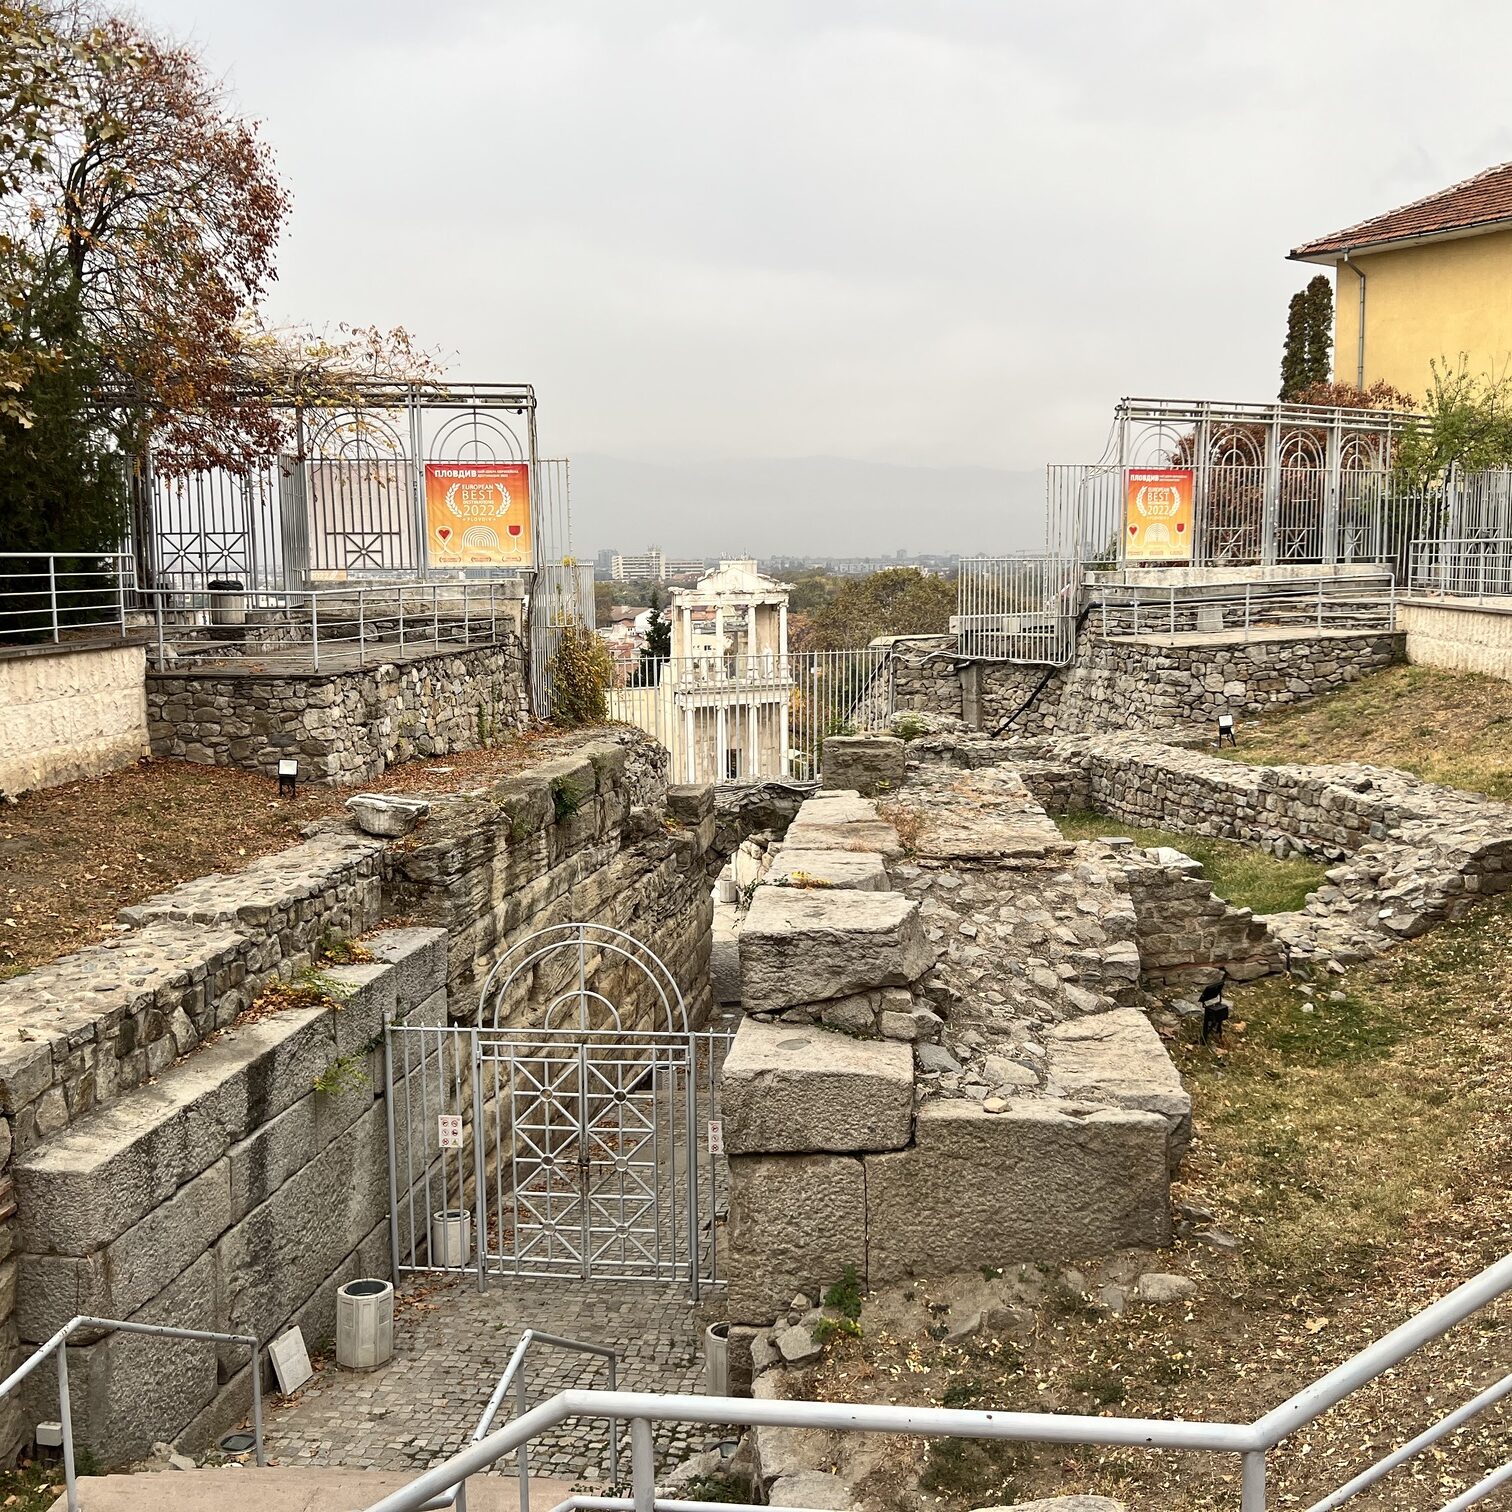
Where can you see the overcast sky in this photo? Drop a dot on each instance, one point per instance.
(946, 233)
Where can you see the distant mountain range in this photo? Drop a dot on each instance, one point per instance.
(801, 506)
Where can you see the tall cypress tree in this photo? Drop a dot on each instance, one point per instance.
(1294, 353)
(1318, 325)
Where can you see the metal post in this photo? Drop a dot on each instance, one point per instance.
(692, 1138)
(1252, 1493)
(1173, 609)
(643, 1466)
(401, 619)
(435, 617)
(522, 1454)
(121, 596)
(614, 1476)
(466, 624)
(52, 592)
(480, 1221)
(361, 628)
(393, 1148)
(315, 631)
(65, 1416)
(157, 600)
(259, 1448)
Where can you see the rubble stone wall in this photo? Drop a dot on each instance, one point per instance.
(1136, 682)
(343, 727)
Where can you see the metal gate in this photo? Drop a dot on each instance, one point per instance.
(584, 1145)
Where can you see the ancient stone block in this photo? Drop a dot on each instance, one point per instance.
(796, 1221)
(861, 871)
(791, 1088)
(804, 946)
(868, 764)
(136, 1266)
(1117, 1058)
(1035, 1182)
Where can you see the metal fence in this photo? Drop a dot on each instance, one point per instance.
(1359, 603)
(1272, 485)
(740, 717)
(1476, 568)
(1020, 608)
(562, 596)
(324, 630)
(55, 598)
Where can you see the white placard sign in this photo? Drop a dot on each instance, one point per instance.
(449, 1131)
(716, 1136)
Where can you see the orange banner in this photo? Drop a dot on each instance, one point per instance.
(477, 514)
(1158, 515)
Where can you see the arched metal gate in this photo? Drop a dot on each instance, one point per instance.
(584, 1143)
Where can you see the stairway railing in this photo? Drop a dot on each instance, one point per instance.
(1252, 1442)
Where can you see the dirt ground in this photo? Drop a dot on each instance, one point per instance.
(72, 857)
(1359, 1149)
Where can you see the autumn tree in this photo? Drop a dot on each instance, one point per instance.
(895, 601)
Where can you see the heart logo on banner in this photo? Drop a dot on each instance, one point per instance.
(444, 531)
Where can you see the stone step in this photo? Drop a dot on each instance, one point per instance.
(279, 1489)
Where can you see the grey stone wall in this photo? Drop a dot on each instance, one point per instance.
(1412, 854)
(937, 1068)
(1136, 682)
(235, 1199)
(343, 727)
(596, 836)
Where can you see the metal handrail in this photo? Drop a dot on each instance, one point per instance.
(1251, 1441)
(116, 1325)
(514, 1375)
(1468, 567)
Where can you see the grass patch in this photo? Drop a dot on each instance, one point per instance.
(1360, 1150)
(1332, 1124)
(1244, 875)
(1449, 727)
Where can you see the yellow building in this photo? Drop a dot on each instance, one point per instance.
(1425, 282)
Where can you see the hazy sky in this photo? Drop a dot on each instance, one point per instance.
(946, 232)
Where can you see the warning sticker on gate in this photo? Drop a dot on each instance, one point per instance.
(716, 1136)
(449, 1131)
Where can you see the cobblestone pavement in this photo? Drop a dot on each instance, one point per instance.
(450, 1347)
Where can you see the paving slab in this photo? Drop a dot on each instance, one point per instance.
(278, 1489)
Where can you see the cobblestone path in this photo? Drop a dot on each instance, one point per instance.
(450, 1347)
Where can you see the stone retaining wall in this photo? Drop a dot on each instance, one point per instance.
(235, 1198)
(1136, 682)
(1459, 637)
(88, 1043)
(69, 713)
(343, 727)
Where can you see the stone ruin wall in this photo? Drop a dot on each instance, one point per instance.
(912, 1089)
(1133, 682)
(123, 1066)
(343, 727)
(1407, 854)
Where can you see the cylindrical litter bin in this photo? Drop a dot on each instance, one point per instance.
(717, 1359)
(228, 602)
(364, 1324)
(451, 1239)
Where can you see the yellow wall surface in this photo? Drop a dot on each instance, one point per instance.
(1431, 301)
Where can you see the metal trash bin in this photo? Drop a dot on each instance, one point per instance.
(228, 602)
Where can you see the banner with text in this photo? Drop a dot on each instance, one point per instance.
(1158, 515)
(477, 514)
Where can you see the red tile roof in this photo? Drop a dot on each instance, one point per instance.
(1480, 202)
